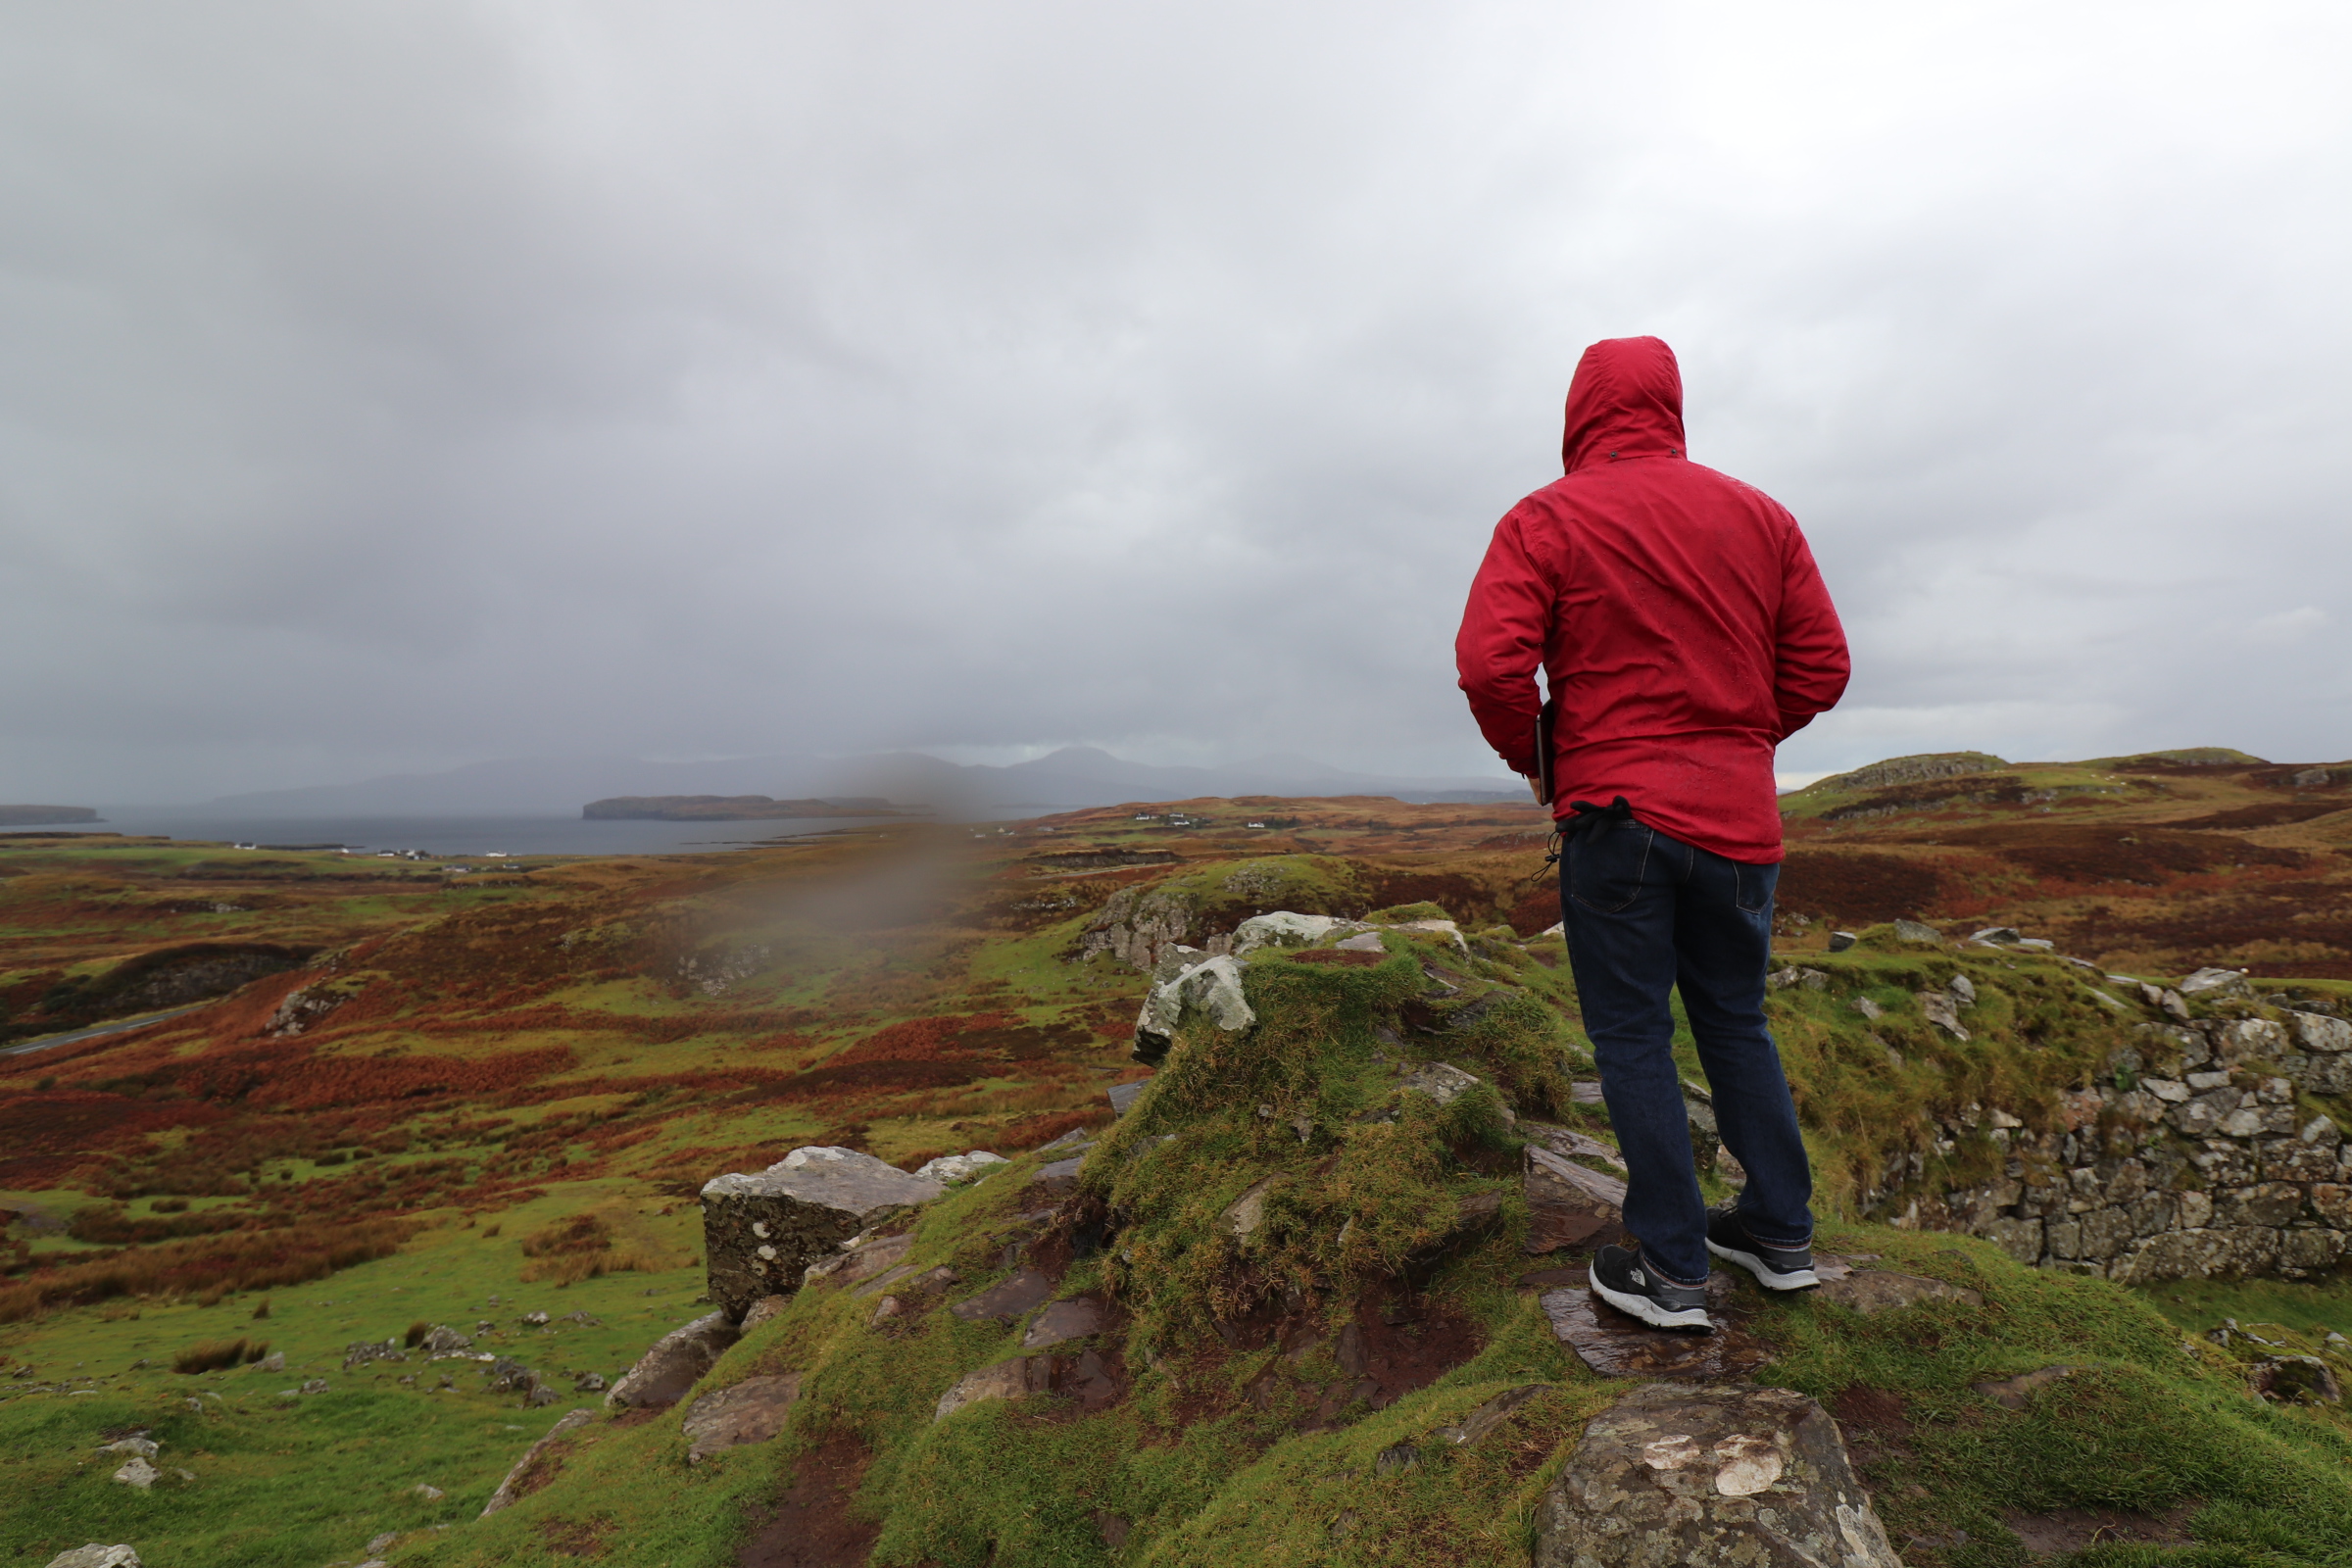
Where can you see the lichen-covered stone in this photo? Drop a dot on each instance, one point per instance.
(1675, 1476)
(761, 1231)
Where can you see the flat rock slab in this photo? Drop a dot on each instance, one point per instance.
(1008, 1299)
(1618, 1346)
(1567, 1203)
(676, 1362)
(761, 1231)
(1872, 1289)
(1675, 1476)
(752, 1411)
(1064, 1321)
(95, 1555)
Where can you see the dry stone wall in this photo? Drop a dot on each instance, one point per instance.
(2216, 1149)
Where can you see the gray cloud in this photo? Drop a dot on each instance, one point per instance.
(393, 387)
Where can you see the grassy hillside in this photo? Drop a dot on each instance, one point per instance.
(463, 1100)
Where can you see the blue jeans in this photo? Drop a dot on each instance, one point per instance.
(1646, 914)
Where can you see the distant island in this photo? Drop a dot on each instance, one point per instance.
(731, 807)
(26, 815)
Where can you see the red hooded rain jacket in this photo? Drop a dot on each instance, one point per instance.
(1676, 614)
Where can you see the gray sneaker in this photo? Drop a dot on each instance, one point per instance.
(1627, 1283)
(1776, 1268)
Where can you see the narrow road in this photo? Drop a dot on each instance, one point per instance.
(123, 1027)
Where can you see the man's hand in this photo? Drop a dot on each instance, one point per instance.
(1534, 787)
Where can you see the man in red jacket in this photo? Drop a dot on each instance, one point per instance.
(1684, 632)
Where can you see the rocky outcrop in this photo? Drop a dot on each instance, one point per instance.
(1086, 1379)
(533, 1463)
(1674, 1477)
(761, 1231)
(664, 1374)
(1568, 1206)
(751, 1412)
(1213, 988)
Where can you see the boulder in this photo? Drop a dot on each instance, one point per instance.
(1839, 941)
(761, 1231)
(95, 1555)
(1567, 1204)
(1675, 1476)
(1871, 1290)
(1213, 988)
(2212, 984)
(1282, 929)
(751, 1412)
(1997, 933)
(675, 1363)
(512, 1488)
(1914, 931)
(131, 1447)
(959, 1167)
(2295, 1379)
(1794, 976)
(136, 1473)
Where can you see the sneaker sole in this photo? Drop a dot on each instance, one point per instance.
(1652, 1313)
(1772, 1279)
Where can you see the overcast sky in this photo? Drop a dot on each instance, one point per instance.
(391, 386)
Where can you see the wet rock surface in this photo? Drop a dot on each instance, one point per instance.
(1675, 1476)
(1616, 1344)
(761, 1231)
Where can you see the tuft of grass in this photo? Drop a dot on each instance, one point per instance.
(417, 1332)
(262, 1310)
(214, 1354)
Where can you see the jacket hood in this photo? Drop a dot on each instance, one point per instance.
(1626, 402)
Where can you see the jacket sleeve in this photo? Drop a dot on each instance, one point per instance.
(1501, 643)
(1810, 666)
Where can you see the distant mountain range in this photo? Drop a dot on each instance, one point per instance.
(1074, 776)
